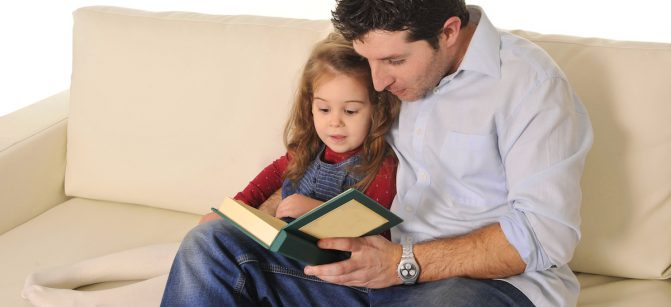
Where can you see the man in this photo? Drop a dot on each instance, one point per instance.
(491, 143)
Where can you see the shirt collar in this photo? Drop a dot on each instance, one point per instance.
(333, 157)
(483, 53)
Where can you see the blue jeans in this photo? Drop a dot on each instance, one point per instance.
(217, 265)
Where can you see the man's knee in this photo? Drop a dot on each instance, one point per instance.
(215, 237)
(201, 236)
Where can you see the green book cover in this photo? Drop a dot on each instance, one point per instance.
(349, 214)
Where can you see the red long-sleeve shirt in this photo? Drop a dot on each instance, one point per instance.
(382, 189)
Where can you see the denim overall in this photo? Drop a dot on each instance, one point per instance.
(323, 181)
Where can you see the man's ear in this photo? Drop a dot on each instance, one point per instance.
(451, 30)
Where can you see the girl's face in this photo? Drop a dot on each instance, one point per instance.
(341, 111)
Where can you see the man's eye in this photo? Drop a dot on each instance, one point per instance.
(396, 62)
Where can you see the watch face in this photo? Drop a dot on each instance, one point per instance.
(408, 271)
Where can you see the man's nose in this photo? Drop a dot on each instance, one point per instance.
(381, 79)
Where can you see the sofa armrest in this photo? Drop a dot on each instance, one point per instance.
(32, 160)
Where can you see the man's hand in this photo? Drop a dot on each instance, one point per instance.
(296, 205)
(372, 265)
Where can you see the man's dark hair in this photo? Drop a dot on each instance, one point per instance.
(424, 19)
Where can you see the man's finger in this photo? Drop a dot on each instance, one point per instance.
(331, 269)
(343, 244)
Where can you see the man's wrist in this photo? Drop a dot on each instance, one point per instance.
(398, 252)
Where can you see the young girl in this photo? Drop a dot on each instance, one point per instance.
(335, 139)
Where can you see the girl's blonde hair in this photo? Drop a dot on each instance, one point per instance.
(331, 56)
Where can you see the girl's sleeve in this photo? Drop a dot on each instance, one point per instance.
(383, 187)
(264, 184)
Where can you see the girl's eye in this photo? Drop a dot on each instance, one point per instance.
(351, 112)
(323, 110)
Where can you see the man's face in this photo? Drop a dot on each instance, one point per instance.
(406, 69)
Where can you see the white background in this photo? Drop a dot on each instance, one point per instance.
(35, 35)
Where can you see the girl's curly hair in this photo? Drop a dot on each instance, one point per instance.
(331, 56)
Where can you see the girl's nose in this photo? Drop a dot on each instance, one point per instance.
(335, 119)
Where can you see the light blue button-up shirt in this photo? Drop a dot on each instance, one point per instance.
(501, 140)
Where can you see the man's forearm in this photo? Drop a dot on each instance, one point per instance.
(483, 253)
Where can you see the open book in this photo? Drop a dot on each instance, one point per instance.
(349, 214)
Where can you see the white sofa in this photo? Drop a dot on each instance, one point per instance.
(167, 113)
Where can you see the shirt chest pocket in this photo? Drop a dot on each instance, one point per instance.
(473, 166)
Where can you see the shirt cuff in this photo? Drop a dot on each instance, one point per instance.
(517, 230)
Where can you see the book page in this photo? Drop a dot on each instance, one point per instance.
(256, 222)
(349, 220)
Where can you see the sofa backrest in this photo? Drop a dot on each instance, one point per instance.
(178, 110)
(626, 210)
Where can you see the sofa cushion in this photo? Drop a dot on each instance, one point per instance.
(626, 209)
(598, 290)
(178, 109)
(80, 229)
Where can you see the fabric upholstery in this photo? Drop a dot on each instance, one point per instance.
(80, 229)
(36, 134)
(176, 109)
(603, 291)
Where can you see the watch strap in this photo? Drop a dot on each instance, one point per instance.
(408, 269)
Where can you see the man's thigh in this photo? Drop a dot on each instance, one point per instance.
(244, 272)
(451, 292)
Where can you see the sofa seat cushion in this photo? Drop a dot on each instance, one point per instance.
(80, 229)
(599, 290)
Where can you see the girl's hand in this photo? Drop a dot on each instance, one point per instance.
(208, 217)
(296, 205)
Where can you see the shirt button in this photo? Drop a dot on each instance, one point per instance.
(436, 90)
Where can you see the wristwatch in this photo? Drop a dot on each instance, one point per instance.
(408, 269)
